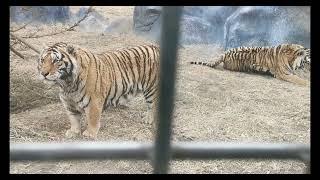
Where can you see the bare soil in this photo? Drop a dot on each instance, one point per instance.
(210, 105)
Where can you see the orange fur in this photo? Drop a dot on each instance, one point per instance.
(91, 82)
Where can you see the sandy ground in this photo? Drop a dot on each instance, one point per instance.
(210, 105)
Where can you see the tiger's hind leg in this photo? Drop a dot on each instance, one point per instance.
(152, 102)
(149, 119)
(294, 79)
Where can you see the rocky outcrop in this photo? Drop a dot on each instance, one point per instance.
(231, 26)
(266, 26)
(199, 24)
(47, 14)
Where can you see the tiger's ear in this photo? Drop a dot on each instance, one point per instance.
(70, 49)
(287, 50)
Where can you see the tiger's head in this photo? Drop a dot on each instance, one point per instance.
(299, 56)
(307, 59)
(55, 63)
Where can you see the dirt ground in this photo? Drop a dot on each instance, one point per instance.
(210, 105)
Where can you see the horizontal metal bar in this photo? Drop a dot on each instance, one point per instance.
(140, 151)
(241, 151)
(80, 150)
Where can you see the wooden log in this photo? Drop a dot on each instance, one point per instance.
(16, 52)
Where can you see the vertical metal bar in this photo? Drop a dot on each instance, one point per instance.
(308, 171)
(168, 54)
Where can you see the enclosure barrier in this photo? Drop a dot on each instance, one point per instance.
(162, 151)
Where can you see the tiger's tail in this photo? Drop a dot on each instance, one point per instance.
(212, 65)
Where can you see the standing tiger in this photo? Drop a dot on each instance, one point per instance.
(280, 61)
(91, 82)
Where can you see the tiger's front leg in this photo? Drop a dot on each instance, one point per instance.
(74, 118)
(93, 114)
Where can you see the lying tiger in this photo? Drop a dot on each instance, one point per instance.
(280, 61)
(91, 82)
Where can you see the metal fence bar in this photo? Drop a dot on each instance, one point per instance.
(241, 151)
(140, 151)
(80, 150)
(168, 54)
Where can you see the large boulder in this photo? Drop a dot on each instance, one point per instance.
(200, 24)
(231, 26)
(44, 14)
(95, 22)
(267, 26)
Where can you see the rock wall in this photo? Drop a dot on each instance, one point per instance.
(231, 26)
(44, 14)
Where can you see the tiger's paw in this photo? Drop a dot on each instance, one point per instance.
(72, 133)
(89, 134)
(148, 120)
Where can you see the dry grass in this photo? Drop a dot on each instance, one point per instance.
(210, 105)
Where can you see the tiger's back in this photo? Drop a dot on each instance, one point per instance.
(131, 71)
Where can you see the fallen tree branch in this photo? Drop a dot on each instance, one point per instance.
(24, 42)
(21, 26)
(71, 28)
(31, 34)
(16, 52)
(13, 42)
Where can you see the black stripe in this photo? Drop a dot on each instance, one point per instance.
(71, 66)
(87, 103)
(115, 84)
(126, 63)
(130, 66)
(150, 74)
(110, 75)
(81, 98)
(143, 53)
(146, 48)
(151, 93)
(72, 110)
(144, 69)
(151, 85)
(97, 71)
(102, 76)
(138, 65)
(77, 83)
(81, 63)
(135, 50)
(120, 70)
(123, 64)
(150, 64)
(154, 53)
